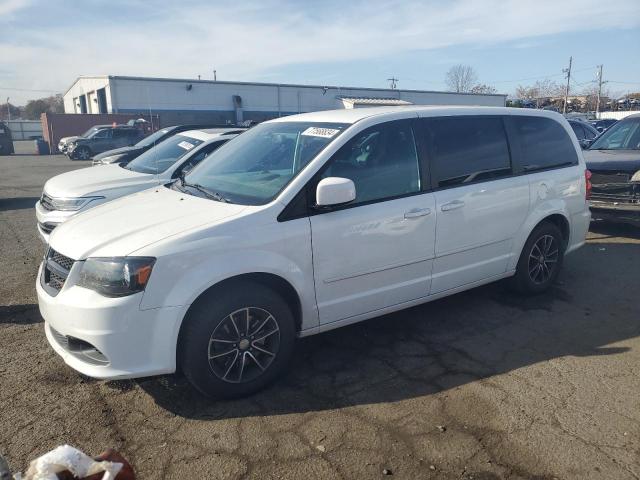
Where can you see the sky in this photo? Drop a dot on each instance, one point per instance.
(46, 45)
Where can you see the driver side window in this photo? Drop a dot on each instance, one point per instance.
(199, 156)
(105, 133)
(382, 162)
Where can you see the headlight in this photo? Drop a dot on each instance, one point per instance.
(636, 177)
(112, 158)
(116, 276)
(71, 204)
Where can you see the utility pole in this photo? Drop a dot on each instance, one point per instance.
(600, 83)
(393, 81)
(8, 110)
(566, 92)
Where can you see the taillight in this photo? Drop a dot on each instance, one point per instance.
(587, 181)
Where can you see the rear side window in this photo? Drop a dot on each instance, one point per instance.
(467, 149)
(578, 130)
(544, 143)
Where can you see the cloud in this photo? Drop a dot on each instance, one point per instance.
(8, 7)
(244, 40)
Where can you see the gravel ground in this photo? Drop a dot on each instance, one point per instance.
(483, 384)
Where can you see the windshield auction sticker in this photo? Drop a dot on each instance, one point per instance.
(186, 145)
(320, 132)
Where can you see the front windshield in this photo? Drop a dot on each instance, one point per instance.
(153, 138)
(91, 131)
(162, 156)
(624, 135)
(255, 166)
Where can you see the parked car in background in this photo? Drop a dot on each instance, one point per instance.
(68, 194)
(6, 140)
(64, 142)
(307, 223)
(602, 125)
(83, 148)
(124, 155)
(584, 132)
(614, 162)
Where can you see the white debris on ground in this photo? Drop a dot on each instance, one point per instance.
(71, 459)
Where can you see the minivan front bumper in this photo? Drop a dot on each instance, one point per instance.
(109, 338)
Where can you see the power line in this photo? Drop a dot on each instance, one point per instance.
(28, 90)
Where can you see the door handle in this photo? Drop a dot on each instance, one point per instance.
(417, 212)
(454, 205)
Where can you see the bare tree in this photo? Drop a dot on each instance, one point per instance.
(461, 78)
(540, 91)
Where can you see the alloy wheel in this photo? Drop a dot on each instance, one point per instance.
(83, 154)
(243, 345)
(543, 259)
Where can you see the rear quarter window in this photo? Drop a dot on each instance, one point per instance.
(467, 149)
(544, 143)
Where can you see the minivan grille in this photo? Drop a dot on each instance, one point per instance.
(47, 202)
(47, 227)
(55, 271)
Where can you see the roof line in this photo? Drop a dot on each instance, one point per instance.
(294, 85)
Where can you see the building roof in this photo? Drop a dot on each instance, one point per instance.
(381, 101)
(327, 87)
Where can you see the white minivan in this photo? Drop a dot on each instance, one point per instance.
(307, 223)
(70, 193)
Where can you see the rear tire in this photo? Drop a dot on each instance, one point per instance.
(236, 340)
(540, 261)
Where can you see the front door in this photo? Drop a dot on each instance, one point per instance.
(377, 251)
(480, 205)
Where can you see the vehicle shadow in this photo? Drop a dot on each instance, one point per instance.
(464, 338)
(17, 203)
(20, 314)
(611, 229)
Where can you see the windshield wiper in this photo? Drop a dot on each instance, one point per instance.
(209, 193)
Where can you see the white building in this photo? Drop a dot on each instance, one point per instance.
(185, 100)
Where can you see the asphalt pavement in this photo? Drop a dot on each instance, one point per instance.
(481, 385)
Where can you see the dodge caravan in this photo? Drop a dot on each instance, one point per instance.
(307, 223)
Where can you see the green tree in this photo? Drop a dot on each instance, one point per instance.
(34, 108)
(5, 108)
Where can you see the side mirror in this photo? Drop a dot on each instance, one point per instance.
(335, 191)
(585, 143)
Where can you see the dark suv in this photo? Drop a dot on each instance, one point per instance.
(6, 141)
(83, 148)
(124, 155)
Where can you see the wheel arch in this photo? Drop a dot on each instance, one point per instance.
(555, 217)
(270, 280)
(561, 222)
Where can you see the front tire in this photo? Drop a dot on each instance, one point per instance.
(540, 260)
(82, 153)
(236, 340)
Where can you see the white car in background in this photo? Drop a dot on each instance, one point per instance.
(68, 194)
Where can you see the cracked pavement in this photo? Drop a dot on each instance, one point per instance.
(482, 385)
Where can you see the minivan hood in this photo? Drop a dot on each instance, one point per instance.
(92, 180)
(123, 226)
